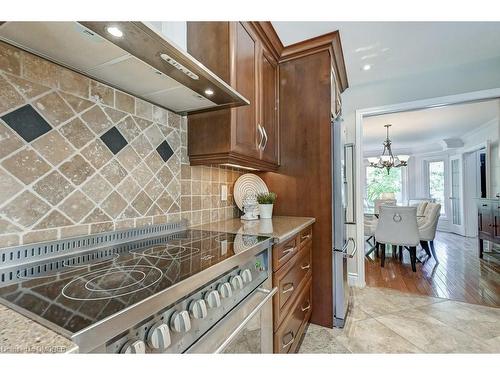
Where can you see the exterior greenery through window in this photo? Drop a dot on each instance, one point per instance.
(378, 182)
(436, 182)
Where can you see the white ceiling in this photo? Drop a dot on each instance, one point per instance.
(396, 49)
(424, 129)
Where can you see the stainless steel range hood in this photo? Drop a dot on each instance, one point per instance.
(141, 62)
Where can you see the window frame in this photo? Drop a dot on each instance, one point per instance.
(404, 181)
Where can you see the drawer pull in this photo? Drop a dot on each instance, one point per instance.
(305, 266)
(289, 250)
(289, 289)
(290, 342)
(306, 237)
(307, 307)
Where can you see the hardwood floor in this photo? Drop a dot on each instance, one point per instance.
(460, 275)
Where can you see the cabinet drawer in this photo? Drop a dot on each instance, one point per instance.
(282, 252)
(289, 280)
(305, 235)
(287, 337)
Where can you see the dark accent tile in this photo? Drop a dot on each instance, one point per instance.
(165, 151)
(27, 123)
(114, 140)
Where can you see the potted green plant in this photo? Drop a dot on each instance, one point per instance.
(266, 203)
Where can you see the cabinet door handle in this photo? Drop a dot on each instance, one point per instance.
(289, 250)
(290, 342)
(266, 139)
(306, 308)
(305, 266)
(289, 289)
(306, 237)
(261, 136)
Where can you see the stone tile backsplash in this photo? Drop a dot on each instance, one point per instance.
(78, 157)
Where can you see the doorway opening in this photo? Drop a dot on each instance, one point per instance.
(452, 163)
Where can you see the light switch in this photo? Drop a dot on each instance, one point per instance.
(223, 192)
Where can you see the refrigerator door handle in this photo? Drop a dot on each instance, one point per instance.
(351, 255)
(345, 248)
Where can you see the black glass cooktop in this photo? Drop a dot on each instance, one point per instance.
(76, 291)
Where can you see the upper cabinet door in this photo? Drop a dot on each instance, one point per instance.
(269, 108)
(245, 134)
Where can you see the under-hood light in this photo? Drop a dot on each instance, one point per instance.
(115, 31)
(179, 66)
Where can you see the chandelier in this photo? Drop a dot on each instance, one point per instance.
(387, 160)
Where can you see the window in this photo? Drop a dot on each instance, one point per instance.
(436, 182)
(378, 182)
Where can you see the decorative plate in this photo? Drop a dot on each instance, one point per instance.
(248, 185)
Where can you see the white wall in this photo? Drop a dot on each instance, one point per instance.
(454, 80)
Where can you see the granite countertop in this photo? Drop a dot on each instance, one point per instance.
(280, 228)
(19, 334)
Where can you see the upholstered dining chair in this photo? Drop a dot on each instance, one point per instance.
(390, 195)
(427, 228)
(397, 226)
(421, 207)
(415, 201)
(370, 224)
(383, 202)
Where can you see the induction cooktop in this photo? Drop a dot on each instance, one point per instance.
(75, 291)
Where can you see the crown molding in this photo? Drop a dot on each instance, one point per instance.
(328, 42)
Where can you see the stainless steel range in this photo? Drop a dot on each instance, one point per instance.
(157, 289)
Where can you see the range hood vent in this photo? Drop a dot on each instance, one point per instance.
(141, 61)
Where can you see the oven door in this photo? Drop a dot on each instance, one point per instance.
(248, 328)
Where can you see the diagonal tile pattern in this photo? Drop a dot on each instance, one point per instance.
(27, 123)
(78, 157)
(387, 321)
(114, 140)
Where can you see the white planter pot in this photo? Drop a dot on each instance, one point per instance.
(266, 211)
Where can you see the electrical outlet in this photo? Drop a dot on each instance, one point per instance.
(223, 192)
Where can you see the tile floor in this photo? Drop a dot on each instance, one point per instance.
(387, 321)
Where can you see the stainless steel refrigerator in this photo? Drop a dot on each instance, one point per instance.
(344, 247)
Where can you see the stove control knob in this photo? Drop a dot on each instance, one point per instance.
(134, 347)
(198, 309)
(225, 290)
(212, 299)
(236, 282)
(159, 336)
(180, 322)
(246, 275)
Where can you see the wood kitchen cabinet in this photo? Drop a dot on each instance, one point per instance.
(292, 303)
(247, 136)
(488, 222)
(311, 78)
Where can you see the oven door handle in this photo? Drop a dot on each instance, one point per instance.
(269, 295)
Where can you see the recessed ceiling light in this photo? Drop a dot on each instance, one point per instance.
(115, 31)
(367, 67)
(209, 92)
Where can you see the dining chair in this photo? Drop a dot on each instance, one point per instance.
(427, 228)
(413, 201)
(390, 195)
(420, 207)
(397, 226)
(384, 202)
(369, 231)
